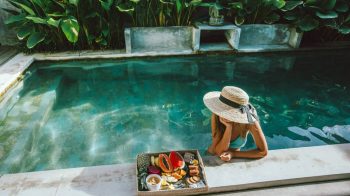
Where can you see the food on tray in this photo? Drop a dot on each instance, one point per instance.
(182, 172)
(164, 182)
(194, 170)
(195, 162)
(153, 170)
(188, 157)
(193, 179)
(171, 171)
(177, 176)
(152, 161)
(193, 167)
(153, 180)
(155, 161)
(143, 162)
(164, 163)
(176, 160)
(169, 178)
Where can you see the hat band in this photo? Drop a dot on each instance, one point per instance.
(243, 108)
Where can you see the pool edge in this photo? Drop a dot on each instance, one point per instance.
(120, 178)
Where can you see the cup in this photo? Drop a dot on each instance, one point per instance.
(153, 187)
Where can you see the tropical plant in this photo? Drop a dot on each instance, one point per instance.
(153, 13)
(254, 11)
(67, 24)
(308, 15)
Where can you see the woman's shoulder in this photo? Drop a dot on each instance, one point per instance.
(254, 126)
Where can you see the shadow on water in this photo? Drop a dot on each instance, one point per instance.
(118, 108)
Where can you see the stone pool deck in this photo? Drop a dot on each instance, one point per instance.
(280, 167)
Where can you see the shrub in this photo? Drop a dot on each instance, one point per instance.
(67, 24)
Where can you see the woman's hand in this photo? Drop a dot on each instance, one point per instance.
(226, 156)
(227, 123)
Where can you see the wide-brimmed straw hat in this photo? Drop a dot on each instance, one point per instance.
(232, 103)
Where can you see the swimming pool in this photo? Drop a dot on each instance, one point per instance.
(94, 112)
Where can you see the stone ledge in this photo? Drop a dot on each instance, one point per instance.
(11, 71)
(280, 167)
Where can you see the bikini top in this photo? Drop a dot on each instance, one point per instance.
(238, 142)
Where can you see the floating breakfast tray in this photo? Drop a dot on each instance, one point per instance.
(179, 191)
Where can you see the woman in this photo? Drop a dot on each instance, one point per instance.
(232, 119)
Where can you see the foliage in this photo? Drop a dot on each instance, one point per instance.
(308, 15)
(91, 24)
(254, 11)
(148, 13)
(99, 24)
(67, 24)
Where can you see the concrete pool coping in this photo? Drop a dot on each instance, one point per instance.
(12, 71)
(280, 167)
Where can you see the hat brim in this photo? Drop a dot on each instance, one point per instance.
(212, 102)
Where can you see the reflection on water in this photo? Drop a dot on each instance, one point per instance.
(87, 113)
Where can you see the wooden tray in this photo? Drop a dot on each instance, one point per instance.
(183, 191)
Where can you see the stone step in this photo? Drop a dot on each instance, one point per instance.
(23, 122)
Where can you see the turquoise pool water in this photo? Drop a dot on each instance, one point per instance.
(93, 112)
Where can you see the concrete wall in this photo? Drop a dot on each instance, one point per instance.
(146, 39)
(7, 36)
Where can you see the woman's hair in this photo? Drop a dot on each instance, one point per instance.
(220, 128)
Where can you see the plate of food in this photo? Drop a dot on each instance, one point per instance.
(171, 173)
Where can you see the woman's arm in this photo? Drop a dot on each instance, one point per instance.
(260, 142)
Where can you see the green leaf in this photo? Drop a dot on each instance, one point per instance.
(236, 5)
(344, 29)
(178, 6)
(195, 2)
(290, 5)
(56, 14)
(106, 4)
(53, 22)
(279, 3)
(327, 15)
(40, 3)
(347, 19)
(291, 16)
(14, 19)
(34, 39)
(70, 28)
(166, 2)
(329, 4)
(216, 5)
(330, 23)
(341, 6)
(307, 23)
(24, 7)
(272, 18)
(36, 20)
(74, 2)
(239, 20)
(311, 2)
(24, 31)
(13, 12)
(125, 8)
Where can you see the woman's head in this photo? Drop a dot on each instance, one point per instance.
(232, 103)
(220, 125)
